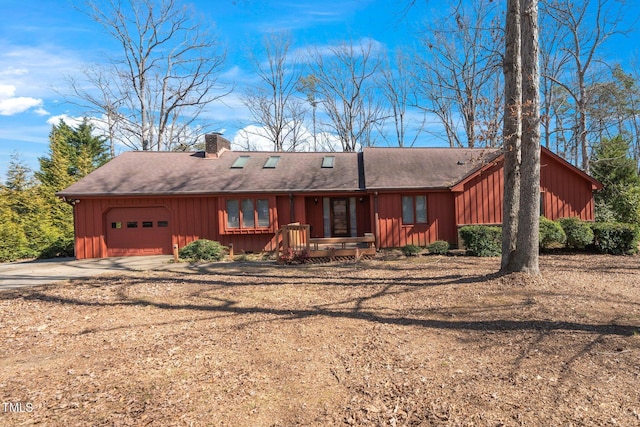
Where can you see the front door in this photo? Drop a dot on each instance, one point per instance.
(340, 226)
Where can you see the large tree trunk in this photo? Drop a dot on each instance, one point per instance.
(522, 140)
(526, 256)
(512, 134)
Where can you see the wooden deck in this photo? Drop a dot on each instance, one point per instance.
(296, 237)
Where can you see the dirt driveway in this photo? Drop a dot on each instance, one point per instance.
(15, 275)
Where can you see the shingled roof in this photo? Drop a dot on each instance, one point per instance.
(178, 173)
(174, 173)
(413, 168)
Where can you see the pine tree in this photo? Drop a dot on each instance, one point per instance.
(612, 165)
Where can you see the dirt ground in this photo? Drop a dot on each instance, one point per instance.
(427, 341)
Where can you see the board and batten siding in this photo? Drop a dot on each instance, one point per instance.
(480, 201)
(192, 218)
(440, 220)
(564, 192)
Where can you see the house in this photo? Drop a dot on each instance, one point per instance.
(143, 203)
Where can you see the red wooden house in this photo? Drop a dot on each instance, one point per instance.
(145, 202)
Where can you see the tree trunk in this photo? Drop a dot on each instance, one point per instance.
(526, 257)
(512, 133)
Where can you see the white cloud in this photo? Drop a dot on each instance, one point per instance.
(254, 138)
(13, 71)
(10, 104)
(70, 121)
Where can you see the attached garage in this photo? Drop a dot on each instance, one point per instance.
(138, 231)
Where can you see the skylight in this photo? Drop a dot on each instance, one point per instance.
(271, 162)
(328, 161)
(240, 162)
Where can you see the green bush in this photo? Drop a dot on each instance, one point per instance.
(14, 244)
(203, 250)
(411, 250)
(439, 247)
(62, 247)
(579, 233)
(615, 238)
(551, 234)
(482, 240)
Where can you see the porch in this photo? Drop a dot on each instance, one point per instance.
(296, 238)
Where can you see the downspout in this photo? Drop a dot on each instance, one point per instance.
(292, 210)
(376, 219)
(73, 202)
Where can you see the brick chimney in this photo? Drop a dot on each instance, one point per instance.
(215, 144)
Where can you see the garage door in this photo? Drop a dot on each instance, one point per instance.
(138, 231)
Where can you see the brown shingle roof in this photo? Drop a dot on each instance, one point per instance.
(173, 173)
(433, 168)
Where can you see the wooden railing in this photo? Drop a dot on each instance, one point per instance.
(297, 238)
(343, 241)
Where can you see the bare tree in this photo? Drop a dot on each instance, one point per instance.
(273, 102)
(396, 81)
(552, 61)
(307, 85)
(587, 25)
(345, 82)
(459, 74)
(152, 95)
(101, 102)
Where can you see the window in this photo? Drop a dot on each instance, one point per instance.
(328, 161)
(147, 224)
(233, 214)
(414, 209)
(263, 212)
(132, 224)
(163, 223)
(271, 162)
(240, 162)
(116, 225)
(246, 214)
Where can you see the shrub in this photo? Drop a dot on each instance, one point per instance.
(61, 247)
(439, 247)
(203, 250)
(615, 238)
(482, 240)
(289, 256)
(579, 233)
(411, 250)
(551, 234)
(14, 244)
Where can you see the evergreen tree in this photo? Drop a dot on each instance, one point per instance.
(616, 169)
(24, 215)
(33, 221)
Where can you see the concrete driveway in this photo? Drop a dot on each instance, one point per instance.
(15, 275)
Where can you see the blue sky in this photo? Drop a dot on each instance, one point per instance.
(43, 41)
